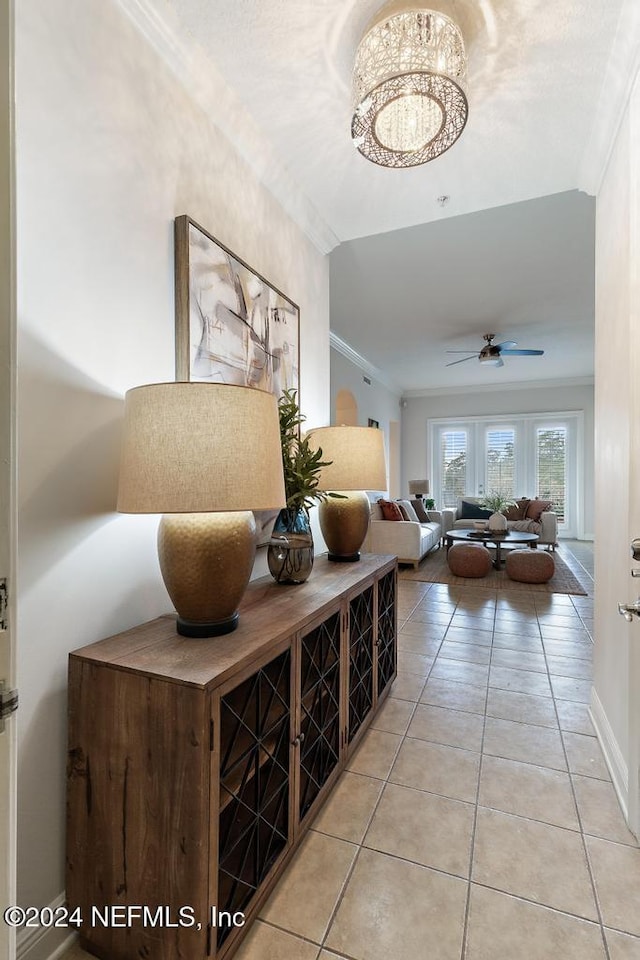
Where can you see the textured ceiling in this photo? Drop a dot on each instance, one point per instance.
(535, 71)
(438, 277)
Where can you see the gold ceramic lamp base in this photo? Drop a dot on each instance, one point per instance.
(206, 561)
(344, 524)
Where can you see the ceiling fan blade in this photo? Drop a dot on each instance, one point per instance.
(453, 363)
(470, 350)
(500, 362)
(522, 353)
(506, 343)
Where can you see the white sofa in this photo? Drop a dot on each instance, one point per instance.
(547, 528)
(406, 539)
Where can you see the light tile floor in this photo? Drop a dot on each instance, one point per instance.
(477, 821)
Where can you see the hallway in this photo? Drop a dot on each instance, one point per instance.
(478, 819)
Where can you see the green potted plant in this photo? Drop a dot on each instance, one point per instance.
(290, 551)
(497, 502)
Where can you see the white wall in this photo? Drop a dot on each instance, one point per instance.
(111, 148)
(491, 402)
(375, 400)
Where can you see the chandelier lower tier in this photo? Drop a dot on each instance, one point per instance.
(409, 99)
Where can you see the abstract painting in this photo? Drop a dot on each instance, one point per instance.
(232, 325)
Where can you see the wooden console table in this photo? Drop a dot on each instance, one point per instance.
(195, 766)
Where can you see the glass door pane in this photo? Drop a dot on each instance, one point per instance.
(551, 467)
(453, 461)
(501, 461)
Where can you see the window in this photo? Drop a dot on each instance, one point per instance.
(551, 467)
(501, 461)
(453, 459)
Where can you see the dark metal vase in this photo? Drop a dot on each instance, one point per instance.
(290, 552)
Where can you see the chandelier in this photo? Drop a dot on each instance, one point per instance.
(409, 101)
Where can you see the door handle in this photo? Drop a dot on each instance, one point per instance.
(629, 610)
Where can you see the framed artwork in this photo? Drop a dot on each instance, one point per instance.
(232, 325)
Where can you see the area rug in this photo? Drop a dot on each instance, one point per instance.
(434, 569)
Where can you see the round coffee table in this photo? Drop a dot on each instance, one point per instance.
(511, 537)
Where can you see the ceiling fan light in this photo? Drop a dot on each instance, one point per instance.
(409, 99)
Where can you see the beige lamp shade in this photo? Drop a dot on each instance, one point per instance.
(358, 465)
(204, 455)
(200, 447)
(419, 487)
(357, 454)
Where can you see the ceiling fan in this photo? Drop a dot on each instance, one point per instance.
(493, 353)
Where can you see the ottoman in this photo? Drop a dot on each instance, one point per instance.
(530, 566)
(469, 560)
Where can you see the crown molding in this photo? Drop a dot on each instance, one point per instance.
(359, 361)
(376, 374)
(499, 387)
(619, 77)
(204, 83)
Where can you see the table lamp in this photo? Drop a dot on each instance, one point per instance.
(204, 455)
(358, 464)
(419, 488)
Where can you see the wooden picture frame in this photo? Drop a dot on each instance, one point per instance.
(232, 325)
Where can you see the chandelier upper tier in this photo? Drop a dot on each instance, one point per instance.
(408, 80)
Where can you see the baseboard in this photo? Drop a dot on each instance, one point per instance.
(612, 754)
(45, 943)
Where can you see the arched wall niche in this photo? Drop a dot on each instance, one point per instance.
(346, 409)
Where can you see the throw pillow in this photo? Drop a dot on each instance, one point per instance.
(536, 508)
(407, 510)
(471, 511)
(519, 509)
(421, 513)
(390, 510)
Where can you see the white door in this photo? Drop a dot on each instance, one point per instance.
(633, 585)
(615, 700)
(7, 513)
(629, 592)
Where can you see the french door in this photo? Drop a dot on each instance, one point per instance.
(533, 455)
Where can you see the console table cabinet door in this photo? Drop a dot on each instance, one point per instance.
(320, 722)
(386, 644)
(361, 635)
(372, 650)
(253, 757)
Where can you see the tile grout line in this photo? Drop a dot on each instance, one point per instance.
(360, 844)
(467, 911)
(403, 739)
(585, 852)
(387, 781)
